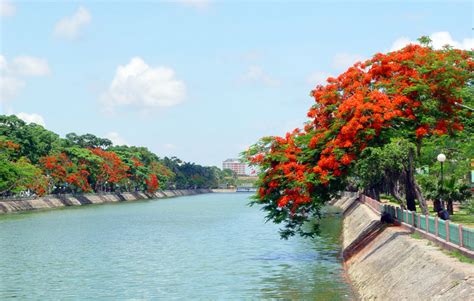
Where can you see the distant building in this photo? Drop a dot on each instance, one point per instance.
(235, 165)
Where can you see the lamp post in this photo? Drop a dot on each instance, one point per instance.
(441, 158)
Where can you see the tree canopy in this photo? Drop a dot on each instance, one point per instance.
(37, 160)
(414, 94)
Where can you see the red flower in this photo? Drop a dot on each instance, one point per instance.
(421, 131)
(152, 183)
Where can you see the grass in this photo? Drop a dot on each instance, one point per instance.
(416, 235)
(463, 217)
(389, 200)
(459, 256)
(455, 254)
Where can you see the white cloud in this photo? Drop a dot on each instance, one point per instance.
(31, 118)
(69, 27)
(318, 78)
(3, 63)
(9, 88)
(169, 146)
(258, 75)
(116, 138)
(400, 43)
(439, 40)
(137, 84)
(28, 65)
(11, 74)
(199, 4)
(443, 38)
(343, 61)
(7, 9)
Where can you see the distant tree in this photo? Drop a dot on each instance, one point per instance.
(230, 177)
(152, 183)
(64, 174)
(164, 174)
(35, 159)
(112, 170)
(87, 141)
(35, 141)
(18, 175)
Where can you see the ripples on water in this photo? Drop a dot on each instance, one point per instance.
(209, 246)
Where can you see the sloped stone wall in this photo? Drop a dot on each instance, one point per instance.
(386, 263)
(50, 202)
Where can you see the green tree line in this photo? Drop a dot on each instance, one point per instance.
(34, 160)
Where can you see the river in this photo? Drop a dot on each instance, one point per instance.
(210, 246)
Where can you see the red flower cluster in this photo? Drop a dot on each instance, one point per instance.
(112, 168)
(39, 185)
(152, 183)
(62, 170)
(137, 162)
(8, 145)
(413, 90)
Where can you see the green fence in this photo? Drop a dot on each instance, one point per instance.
(442, 229)
(431, 225)
(450, 232)
(445, 230)
(468, 238)
(423, 222)
(454, 234)
(399, 215)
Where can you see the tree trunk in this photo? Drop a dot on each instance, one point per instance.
(437, 205)
(377, 191)
(421, 199)
(410, 183)
(393, 190)
(418, 148)
(397, 189)
(450, 207)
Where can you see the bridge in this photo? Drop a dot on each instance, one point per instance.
(246, 189)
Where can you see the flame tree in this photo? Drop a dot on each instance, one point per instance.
(35, 161)
(412, 93)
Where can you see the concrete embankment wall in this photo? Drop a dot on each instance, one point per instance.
(50, 202)
(386, 263)
(224, 190)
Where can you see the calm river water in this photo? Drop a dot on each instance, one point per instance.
(210, 246)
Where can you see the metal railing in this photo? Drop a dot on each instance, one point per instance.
(373, 204)
(446, 231)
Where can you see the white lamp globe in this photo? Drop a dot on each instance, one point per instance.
(441, 157)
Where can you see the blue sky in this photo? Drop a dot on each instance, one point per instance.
(200, 80)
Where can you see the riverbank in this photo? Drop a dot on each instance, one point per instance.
(387, 263)
(58, 201)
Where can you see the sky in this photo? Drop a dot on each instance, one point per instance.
(200, 80)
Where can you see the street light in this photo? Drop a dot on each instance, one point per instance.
(441, 158)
